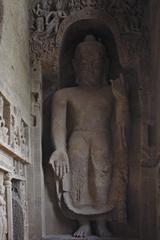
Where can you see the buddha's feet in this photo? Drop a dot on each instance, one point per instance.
(102, 230)
(83, 231)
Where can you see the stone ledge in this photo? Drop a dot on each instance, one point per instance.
(69, 237)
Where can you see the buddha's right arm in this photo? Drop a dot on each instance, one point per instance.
(59, 109)
(59, 158)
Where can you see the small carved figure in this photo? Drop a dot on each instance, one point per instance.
(1, 106)
(3, 219)
(17, 138)
(15, 131)
(23, 140)
(72, 5)
(47, 18)
(53, 20)
(3, 129)
(60, 5)
(47, 5)
(12, 127)
(39, 18)
(21, 170)
(15, 167)
(93, 183)
(78, 5)
(5, 133)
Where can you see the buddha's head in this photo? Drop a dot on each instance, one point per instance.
(89, 62)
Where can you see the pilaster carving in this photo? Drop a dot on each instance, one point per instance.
(3, 218)
(8, 186)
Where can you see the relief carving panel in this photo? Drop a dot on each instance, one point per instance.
(47, 16)
(14, 131)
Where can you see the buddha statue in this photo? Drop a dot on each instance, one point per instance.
(89, 125)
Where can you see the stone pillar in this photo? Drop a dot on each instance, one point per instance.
(35, 179)
(155, 44)
(8, 186)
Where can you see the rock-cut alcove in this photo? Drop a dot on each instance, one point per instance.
(105, 31)
(128, 50)
(76, 34)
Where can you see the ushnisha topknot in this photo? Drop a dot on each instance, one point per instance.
(90, 47)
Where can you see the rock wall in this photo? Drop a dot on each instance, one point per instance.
(15, 109)
(155, 40)
(14, 55)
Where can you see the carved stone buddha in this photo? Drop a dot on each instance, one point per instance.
(89, 124)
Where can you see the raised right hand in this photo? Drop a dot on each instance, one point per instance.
(60, 163)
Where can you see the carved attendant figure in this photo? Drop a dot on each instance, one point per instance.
(3, 129)
(93, 185)
(40, 23)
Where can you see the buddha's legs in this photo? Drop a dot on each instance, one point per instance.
(102, 162)
(78, 155)
(94, 184)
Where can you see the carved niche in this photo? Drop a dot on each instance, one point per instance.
(126, 21)
(128, 16)
(58, 16)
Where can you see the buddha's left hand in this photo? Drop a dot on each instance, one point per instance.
(119, 89)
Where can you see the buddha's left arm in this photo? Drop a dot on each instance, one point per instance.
(122, 108)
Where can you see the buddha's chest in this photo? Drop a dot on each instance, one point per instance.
(91, 104)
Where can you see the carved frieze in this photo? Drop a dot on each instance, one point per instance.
(14, 131)
(46, 19)
(47, 16)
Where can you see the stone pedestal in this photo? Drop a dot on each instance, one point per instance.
(69, 237)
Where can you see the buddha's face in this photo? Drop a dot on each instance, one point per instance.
(89, 66)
